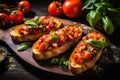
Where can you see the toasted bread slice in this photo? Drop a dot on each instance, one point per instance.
(85, 54)
(27, 32)
(56, 42)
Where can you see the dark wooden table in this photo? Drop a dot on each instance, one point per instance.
(14, 68)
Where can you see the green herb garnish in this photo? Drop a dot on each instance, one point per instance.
(60, 61)
(24, 46)
(106, 12)
(54, 37)
(97, 43)
(33, 22)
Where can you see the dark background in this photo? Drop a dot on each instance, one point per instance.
(24, 71)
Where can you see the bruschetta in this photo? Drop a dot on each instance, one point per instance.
(32, 29)
(87, 52)
(57, 42)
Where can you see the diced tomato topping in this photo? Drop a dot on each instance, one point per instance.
(71, 38)
(50, 24)
(76, 35)
(62, 38)
(25, 32)
(79, 50)
(46, 21)
(92, 49)
(79, 59)
(87, 55)
(41, 19)
(82, 43)
(55, 45)
(75, 55)
(40, 26)
(19, 29)
(48, 28)
(42, 47)
(90, 35)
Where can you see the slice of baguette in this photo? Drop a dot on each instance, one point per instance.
(78, 68)
(38, 55)
(16, 36)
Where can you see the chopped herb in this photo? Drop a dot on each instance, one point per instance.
(54, 37)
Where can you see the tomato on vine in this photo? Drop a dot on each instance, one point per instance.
(4, 19)
(16, 16)
(24, 6)
(72, 8)
(55, 8)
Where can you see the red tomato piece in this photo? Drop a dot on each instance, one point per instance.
(55, 45)
(16, 16)
(87, 55)
(72, 8)
(4, 19)
(42, 47)
(24, 6)
(55, 8)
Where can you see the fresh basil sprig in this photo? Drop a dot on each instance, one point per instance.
(24, 46)
(99, 9)
(108, 25)
(60, 61)
(97, 43)
(33, 22)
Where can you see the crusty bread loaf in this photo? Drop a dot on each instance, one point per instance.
(16, 36)
(46, 54)
(78, 67)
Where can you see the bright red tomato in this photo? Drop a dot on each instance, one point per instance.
(55, 8)
(72, 8)
(16, 16)
(4, 19)
(24, 6)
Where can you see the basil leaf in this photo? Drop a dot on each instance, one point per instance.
(36, 18)
(60, 61)
(108, 25)
(55, 61)
(89, 4)
(24, 46)
(31, 22)
(97, 43)
(54, 37)
(114, 14)
(93, 17)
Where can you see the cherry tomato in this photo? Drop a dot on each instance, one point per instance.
(72, 8)
(16, 16)
(24, 6)
(55, 8)
(4, 19)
